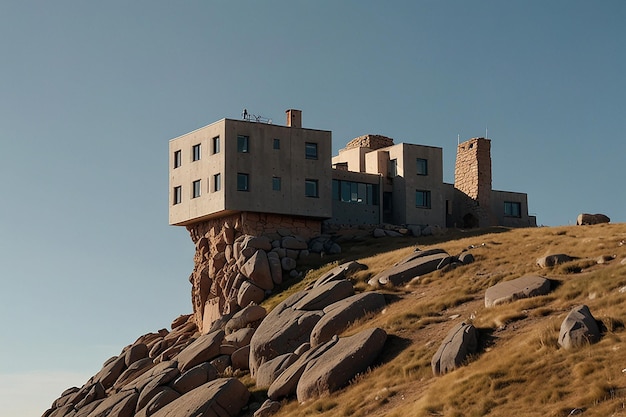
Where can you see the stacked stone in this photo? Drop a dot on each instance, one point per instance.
(370, 141)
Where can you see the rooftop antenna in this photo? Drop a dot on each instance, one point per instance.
(458, 139)
(486, 134)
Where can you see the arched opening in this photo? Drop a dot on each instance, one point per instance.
(470, 221)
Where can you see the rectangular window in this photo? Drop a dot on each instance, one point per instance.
(276, 143)
(393, 168)
(422, 198)
(422, 166)
(217, 182)
(242, 144)
(310, 188)
(178, 195)
(196, 152)
(512, 209)
(276, 183)
(336, 192)
(242, 182)
(311, 150)
(196, 189)
(177, 159)
(216, 145)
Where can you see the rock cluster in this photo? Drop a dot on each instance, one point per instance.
(408, 230)
(370, 141)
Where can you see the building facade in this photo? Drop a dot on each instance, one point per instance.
(238, 166)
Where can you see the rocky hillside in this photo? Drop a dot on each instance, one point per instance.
(492, 322)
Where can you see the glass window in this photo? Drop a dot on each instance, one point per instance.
(178, 195)
(217, 182)
(216, 144)
(345, 191)
(310, 188)
(311, 150)
(276, 183)
(422, 166)
(512, 209)
(336, 192)
(393, 168)
(242, 144)
(276, 143)
(177, 159)
(422, 198)
(196, 189)
(242, 182)
(196, 152)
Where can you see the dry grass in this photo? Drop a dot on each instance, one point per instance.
(520, 369)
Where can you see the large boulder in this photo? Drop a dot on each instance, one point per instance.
(193, 378)
(553, 260)
(588, 219)
(257, 269)
(121, 404)
(339, 364)
(338, 316)
(523, 287)
(415, 265)
(339, 272)
(270, 370)
(460, 341)
(203, 349)
(579, 328)
(320, 297)
(221, 397)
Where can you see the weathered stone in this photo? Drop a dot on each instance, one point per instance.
(109, 374)
(302, 348)
(193, 378)
(221, 362)
(96, 392)
(460, 341)
(121, 403)
(267, 409)
(151, 391)
(466, 258)
(579, 328)
(379, 233)
(291, 242)
(338, 316)
(334, 249)
(259, 242)
(276, 268)
(180, 321)
(523, 287)
(257, 269)
(552, 260)
(203, 349)
(249, 293)
(589, 219)
(339, 272)
(288, 264)
(240, 337)
(161, 374)
(240, 359)
(324, 295)
(335, 367)
(160, 400)
(404, 271)
(221, 397)
(245, 317)
(270, 370)
(133, 371)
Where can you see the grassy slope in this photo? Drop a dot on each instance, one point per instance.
(520, 368)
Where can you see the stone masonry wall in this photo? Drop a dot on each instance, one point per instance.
(370, 141)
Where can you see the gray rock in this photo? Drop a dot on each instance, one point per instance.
(291, 242)
(338, 316)
(589, 219)
(109, 374)
(466, 258)
(324, 295)
(249, 293)
(195, 377)
(460, 341)
(257, 269)
(203, 349)
(133, 371)
(245, 317)
(393, 233)
(163, 373)
(240, 359)
(405, 271)
(288, 264)
(240, 337)
(523, 287)
(276, 268)
(135, 352)
(339, 272)
(221, 397)
(267, 409)
(334, 249)
(259, 242)
(379, 233)
(339, 364)
(270, 370)
(552, 260)
(220, 363)
(165, 396)
(121, 403)
(579, 328)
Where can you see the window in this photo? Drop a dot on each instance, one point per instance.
(178, 195)
(217, 182)
(242, 182)
(512, 209)
(216, 144)
(310, 188)
(311, 150)
(355, 192)
(177, 159)
(242, 144)
(196, 152)
(422, 199)
(276, 143)
(276, 183)
(195, 189)
(422, 166)
(393, 168)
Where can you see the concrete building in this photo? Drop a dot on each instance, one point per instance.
(239, 166)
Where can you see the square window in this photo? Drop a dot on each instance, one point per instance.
(422, 166)
(216, 145)
(177, 159)
(276, 183)
(242, 182)
(217, 182)
(196, 189)
(512, 209)
(276, 143)
(242, 144)
(196, 152)
(422, 198)
(178, 195)
(310, 188)
(393, 168)
(311, 150)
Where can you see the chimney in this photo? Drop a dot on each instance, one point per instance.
(294, 118)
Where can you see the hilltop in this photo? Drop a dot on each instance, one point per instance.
(519, 366)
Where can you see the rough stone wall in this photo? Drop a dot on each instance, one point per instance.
(240, 257)
(370, 141)
(472, 176)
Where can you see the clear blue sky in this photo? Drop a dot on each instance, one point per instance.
(91, 92)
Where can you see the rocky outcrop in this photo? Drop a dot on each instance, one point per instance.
(370, 141)
(461, 341)
(553, 260)
(579, 328)
(523, 287)
(589, 219)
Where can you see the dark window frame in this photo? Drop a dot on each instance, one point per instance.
(310, 150)
(276, 144)
(178, 158)
(276, 184)
(196, 152)
(178, 195)
(216, 145)
(513, 209)
(311, 182)
(421, 166)
(426, 202)
(243, 144)
(217, 182)
(196, 189)
(242, 176)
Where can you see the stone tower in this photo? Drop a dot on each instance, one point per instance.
(472, 177)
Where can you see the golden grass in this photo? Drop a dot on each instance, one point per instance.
(520, 369)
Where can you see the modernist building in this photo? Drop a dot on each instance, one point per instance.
(235, 166)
